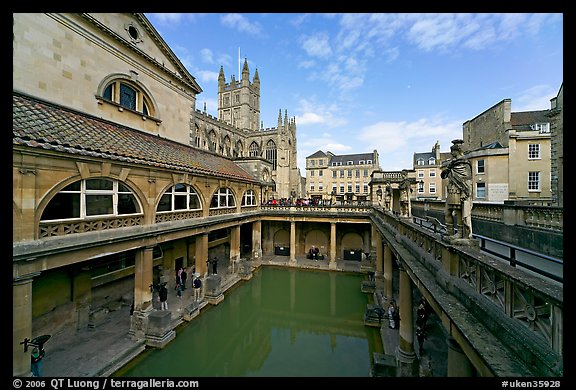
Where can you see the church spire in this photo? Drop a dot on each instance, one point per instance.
(245, 68)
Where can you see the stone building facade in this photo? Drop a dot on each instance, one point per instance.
(556, 116)
(427, 166)
(510, 154)
(329, 175)
(118, 180)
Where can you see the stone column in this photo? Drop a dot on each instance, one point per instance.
(379, 259)
(367, 245)
(293, 242)
(202, 254)
(406, 355)
(388, 273)
(21, 324)
(82, 296)
(143, 274)
(458, 363)
(257, 240)
(143, 278)
(234, 247)
(332, 264)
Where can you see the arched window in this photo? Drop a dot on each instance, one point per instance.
(212, 138)
(197, 136)
(271, 153)
(254, 150)
(92, 198)
(239, 149)
(179, 197)
(432, 161)
(227, 144)
(129, 95)
(223, 198)
(249, 198)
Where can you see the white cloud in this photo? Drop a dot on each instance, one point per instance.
(317, 45)
(536, 98)
(206, 75)
(396, 142)
(168, 18)
(241, 23)
(306, 64)
(314, 113)
(207, 56)
(309, 118)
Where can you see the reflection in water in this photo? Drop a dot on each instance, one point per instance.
(283, 322)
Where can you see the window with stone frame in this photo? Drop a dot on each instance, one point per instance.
(88, 198)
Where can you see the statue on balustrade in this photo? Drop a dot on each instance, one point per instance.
(458, 211)
(405, 187)
(388, 196)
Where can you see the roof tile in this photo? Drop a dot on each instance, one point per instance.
(40, 124)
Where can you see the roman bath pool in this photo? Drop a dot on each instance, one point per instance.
(282, 322)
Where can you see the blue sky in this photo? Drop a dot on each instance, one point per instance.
(396, 83)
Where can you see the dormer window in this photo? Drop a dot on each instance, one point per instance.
(541, 127)
(420, 162)
(431, 161)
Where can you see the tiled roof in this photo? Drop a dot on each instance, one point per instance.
(317, 154)
(424, 156)
(38, 124)
(527, 118)
(343, 158)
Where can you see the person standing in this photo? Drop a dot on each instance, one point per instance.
(215, 266)
(421, 336)
(183, 278)
(392, 315)
(179, 295)
(197, 285)
(422, 314)
(163, 296)
(179, 277)
(36, 360)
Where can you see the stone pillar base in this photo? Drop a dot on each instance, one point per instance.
(246, 276)
(384, 365)
(191, 312)
(407, 363)
(332, 265)
(214, 294)
(368, 286)
(214, 299)
(244, 270)
(139, 323)
(160, 332)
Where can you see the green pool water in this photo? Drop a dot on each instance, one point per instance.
(282, 322)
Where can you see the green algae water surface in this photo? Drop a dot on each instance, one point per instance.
(282, 322)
